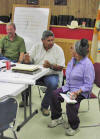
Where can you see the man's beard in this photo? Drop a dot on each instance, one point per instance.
(10, 34)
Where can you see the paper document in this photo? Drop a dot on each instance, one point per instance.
(25, 67)
(67, 99)
(9, 89)
(17, 80)
(10, 77)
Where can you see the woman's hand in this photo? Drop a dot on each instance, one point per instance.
(74, 95)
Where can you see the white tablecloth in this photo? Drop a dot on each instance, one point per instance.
(11, 89)
(14, 77)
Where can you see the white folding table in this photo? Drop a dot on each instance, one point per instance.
(19, 82)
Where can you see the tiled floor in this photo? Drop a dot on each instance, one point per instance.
(37, 128)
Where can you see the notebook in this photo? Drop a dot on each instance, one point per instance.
(67, 98)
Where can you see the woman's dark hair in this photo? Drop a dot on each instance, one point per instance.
(82, 47)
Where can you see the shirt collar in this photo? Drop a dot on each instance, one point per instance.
(81, 61)
(45, 49)
(13, 39)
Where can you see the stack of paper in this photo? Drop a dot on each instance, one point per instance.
(67, 99)
(10, 77)
(25, 67)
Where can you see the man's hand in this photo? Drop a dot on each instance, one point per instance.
(26, 58)
(55, 67)
(46, 64)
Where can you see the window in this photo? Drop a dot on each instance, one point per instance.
(60, 2)
(35, 2)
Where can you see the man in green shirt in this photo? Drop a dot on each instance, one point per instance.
(12, 46)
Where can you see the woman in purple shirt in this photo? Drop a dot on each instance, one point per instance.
(79, 81)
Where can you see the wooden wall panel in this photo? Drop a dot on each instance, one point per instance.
(78, 8)
(44, 2)
(65, 44)
(83, 8)
(19, 1)
(6, 6)
(92, 8)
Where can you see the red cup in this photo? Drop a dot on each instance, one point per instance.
(8, 65)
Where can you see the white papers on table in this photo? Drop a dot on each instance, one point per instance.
(3, 63)
(9, 89)
(10, 77)
(67, 99)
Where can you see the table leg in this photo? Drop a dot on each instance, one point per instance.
(26, 119)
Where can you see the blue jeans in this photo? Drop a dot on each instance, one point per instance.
(51, 82)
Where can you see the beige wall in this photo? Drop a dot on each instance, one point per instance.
(78, 8)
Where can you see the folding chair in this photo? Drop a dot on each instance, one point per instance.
(41, 87)
(99, 99)
(97, 82)
(97, 79)
(8, 110)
